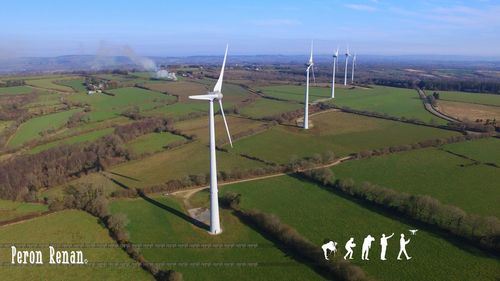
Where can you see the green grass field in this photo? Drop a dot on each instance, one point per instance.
(86, 137)
(266, 107)
(342, 133)
(319, 214)
(59, 228)
(392, 101)
(49, 83)
(15, 90)
(153, 142)
(30, 129)
(159, 221)
(76, 84)
(486, 99)
(444, 176)
(104, 106)
(12, 209)
(484, 150)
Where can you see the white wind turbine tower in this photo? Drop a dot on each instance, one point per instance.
(353, 64)
(335, 58)
(306, 101)
(216, 94)
(346, 64)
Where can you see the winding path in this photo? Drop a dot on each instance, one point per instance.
(433, 110)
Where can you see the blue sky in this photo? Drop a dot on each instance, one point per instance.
(179, 28)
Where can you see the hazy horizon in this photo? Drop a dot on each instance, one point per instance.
(154, 28)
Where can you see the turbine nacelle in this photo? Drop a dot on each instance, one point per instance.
(210, 96)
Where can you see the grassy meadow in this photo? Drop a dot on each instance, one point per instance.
(319, 215)
(433, 172)
(342, 133)
(66, 227)
(161, 220)
(392, 101)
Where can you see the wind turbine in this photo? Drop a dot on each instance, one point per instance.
(306, 101)
(216, 94)
(353, 64)
(335, 58)
(346, 61)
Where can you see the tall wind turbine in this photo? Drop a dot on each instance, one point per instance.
(216, 94)
(353, 64)
(306, 101)
(335, 57)
(346, 62)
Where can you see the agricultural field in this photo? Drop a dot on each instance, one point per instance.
(323, 215)
(76, 84)
(153, 142)
(267, 107)
(485, 99)
(31, 129)
(67, 227)
(15, 90)
(484, 150)
(162, 220)
(52, 83)
(104, 106)
(171, 164)
(86, 137)
(392, 101)
(11, 209)
(427, 172)
(342, 133)
(469, 111)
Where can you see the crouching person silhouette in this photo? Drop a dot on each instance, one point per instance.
(348, 247)
(329, 246)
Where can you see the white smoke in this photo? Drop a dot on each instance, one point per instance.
(146, 63)
(106, 53)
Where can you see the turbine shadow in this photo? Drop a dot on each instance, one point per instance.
(175, 212)
(124, 176)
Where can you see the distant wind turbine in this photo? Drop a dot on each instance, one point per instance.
(306, 98)
(216, 94)
(335, 58)
(346, 65)
(353, 64)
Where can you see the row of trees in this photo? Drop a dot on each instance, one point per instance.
(468, 85)
(92, 200)
(299, 246)
(11, 83)
(483, 231)
(144, 126)
(22, 176)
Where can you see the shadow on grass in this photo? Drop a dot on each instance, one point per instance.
(124, 176)
(175, 212)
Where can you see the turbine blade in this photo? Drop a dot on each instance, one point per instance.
(311, 57)
(203, 97)
(314, 77)
(218, 85)
(225, 123)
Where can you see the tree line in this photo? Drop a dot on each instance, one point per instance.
(479, 230)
